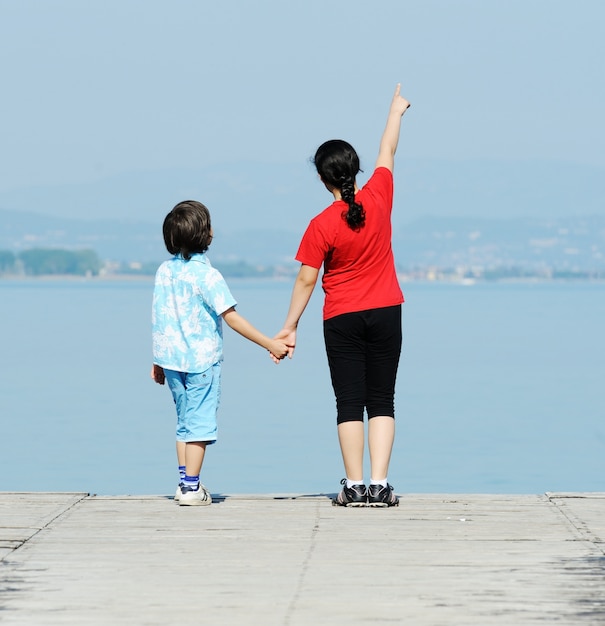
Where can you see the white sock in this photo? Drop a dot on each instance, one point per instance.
(193, 482)
(350, 483)
(379, 482)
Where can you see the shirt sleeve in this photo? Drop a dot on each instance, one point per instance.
(314, 246)
(216, 292)
(380, 187)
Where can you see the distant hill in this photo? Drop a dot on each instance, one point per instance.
(120, 240)
(563, 243)
(125, 240)
(285, 195)
(576, 243)
(528, 212)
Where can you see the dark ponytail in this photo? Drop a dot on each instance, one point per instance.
(337, 164)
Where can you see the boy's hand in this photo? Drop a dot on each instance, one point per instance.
(157, 374)
(289, 337)
(399, 104)
(278, 350)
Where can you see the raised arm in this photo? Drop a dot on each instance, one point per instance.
(390, 136)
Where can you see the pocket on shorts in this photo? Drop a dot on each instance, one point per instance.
(200, 379)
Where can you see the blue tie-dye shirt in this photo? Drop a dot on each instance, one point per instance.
(188, 300)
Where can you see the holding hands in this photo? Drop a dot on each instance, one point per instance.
(279, 350)
(288, 337)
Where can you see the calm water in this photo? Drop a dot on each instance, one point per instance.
(500, 391)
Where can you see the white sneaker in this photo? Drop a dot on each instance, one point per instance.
(198, 497)
(177, 495)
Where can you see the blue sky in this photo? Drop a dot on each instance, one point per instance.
(97, 89)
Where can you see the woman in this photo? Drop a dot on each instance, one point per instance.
(362, 307)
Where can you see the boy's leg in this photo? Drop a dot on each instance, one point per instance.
(193, 493)
(203, 397)
(181, 447)
(180, 453)
(196, 397)
(176, 384)
(194, 457)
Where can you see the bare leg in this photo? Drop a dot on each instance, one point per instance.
(381, 435)
(351, 438)
(194, 457)
(180, 452)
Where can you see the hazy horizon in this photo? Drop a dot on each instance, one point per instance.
(105, 97)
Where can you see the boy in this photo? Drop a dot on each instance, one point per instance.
(190, 299)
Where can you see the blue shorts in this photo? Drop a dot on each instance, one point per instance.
(196, 397)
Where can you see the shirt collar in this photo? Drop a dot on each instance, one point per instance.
(196, 256)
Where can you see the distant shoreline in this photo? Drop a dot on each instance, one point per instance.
(78, 279)
(403, 279)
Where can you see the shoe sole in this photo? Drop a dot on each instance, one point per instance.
(196, 502)
(349, 504)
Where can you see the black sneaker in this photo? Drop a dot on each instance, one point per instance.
(357, 495)
(382, 496)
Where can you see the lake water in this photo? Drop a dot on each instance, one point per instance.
(500, 390)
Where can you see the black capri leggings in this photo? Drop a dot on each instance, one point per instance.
(363, 351)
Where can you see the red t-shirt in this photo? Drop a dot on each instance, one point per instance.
(359, 269)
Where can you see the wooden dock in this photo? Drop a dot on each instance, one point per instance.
(71, 558)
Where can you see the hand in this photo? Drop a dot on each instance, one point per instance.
(157, 374)
(278, 350)
(399, 104)
(289, 337)
(286, 338)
